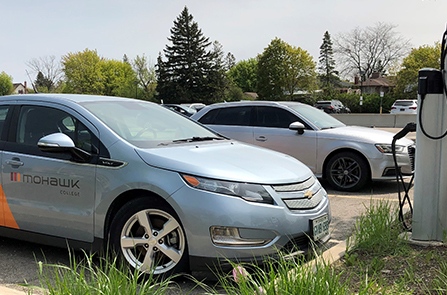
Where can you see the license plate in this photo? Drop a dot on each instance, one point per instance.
(320, 227)
(402, 110)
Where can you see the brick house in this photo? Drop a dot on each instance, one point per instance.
(375, 84)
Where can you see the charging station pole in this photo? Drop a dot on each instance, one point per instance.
(430, 187)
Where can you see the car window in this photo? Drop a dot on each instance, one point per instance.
(36, 122)
(316, 117)
(3, 113)
(228, 116)
(274, 117)
(403, 103)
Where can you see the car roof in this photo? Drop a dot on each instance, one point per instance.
(62, 97)
(251, 103)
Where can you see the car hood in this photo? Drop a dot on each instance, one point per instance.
(229, 160)
(361, 134)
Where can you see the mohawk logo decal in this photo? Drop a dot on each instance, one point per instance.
(15, 176)
(52, 181)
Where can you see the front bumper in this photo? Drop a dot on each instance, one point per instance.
(200, 210)
(383, 168)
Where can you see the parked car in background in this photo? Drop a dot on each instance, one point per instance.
(347, 156)
(405, 106)
(184, 110)
(165, 193)
(195, 106)
(332, 106)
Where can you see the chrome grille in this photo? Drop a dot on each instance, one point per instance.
(305, 203)
(300, 196)
(412, 154)
(295, 186)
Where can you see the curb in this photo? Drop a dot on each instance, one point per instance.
(330, 256)
(8, 291)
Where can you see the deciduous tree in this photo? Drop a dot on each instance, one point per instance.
(284, 69)
(365, 51)
(245, 75)
(88, 73)
(6, 85)
(423, 57)
(83, 72)
(146, 78)
(50, 71)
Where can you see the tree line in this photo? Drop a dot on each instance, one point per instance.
(191, 68)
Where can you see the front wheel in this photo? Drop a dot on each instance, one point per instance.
(347, 171)
(149, 237)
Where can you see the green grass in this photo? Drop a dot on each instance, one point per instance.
(377, 261)
(97, 275)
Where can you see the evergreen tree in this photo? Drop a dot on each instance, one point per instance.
(328, 74)
(42, 83)
(191, 73)
(230, 61)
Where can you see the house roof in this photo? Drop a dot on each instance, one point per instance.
(15, 85)
(377, 81)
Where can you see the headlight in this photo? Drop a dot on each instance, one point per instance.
(247, 191)
(386, 148)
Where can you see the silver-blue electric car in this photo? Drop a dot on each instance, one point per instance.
(166, 193)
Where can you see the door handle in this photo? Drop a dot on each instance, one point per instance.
(261, 138)
(14, 162)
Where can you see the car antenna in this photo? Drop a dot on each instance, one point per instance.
(35, 90)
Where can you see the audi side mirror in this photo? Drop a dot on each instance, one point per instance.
(299, 127)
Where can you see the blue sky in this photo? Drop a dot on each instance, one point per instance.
(32, 29)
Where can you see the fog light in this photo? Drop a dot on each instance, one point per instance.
(229, 236)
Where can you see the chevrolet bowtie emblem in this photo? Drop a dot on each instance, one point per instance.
(308, 194)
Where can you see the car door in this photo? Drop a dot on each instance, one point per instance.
(5, 213)
(49, 193)
(233, 122)
(272, 131)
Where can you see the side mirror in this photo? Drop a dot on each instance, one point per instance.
(299, 127)
(56, 143)
(62, 143)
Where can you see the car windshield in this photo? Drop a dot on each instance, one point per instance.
(316, 116)
(148, 125)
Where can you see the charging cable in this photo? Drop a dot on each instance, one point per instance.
(410, 127)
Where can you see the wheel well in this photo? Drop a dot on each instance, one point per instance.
(123, 199)
(333, 153)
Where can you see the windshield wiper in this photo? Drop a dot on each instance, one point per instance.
(192, 139)
(198, 138)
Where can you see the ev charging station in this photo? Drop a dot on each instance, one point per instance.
(430, 187)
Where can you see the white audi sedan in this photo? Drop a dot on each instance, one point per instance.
(347, 156)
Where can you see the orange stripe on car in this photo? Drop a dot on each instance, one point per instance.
(8, 219)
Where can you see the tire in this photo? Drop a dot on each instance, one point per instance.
(148, 236)
(347, 171)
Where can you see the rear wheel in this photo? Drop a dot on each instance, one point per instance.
(148, 236)
(347, 171)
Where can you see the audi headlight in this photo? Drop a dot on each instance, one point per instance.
(247, 191)
(386, 148)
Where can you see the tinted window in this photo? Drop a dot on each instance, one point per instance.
(228, 116)
(403, 103)
(3, 113)
(274, 117)
(36, 122)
